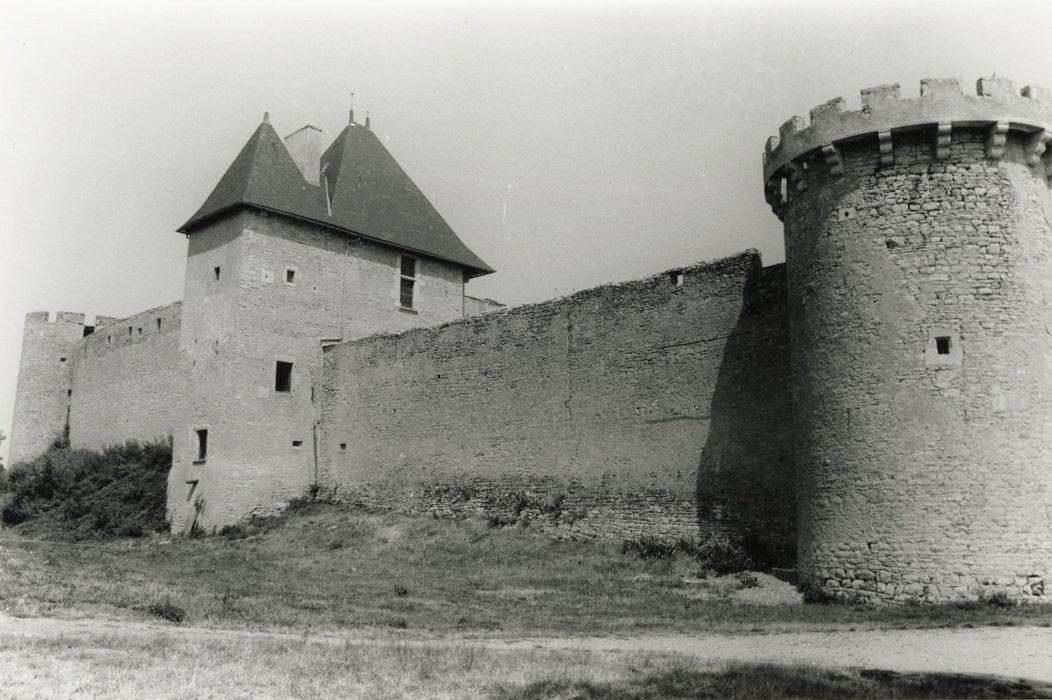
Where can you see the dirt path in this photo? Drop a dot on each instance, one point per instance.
(1024, 652)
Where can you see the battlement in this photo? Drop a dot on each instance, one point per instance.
(55, 317)
(942, 106)
(68, 317)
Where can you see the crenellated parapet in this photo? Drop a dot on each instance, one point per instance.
(918, 264)
(997, 107)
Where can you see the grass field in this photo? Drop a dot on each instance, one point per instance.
(325, 568)
(166, 666)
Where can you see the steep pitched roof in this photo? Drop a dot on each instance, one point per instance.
(371, 196)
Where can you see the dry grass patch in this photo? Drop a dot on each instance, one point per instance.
(327, 568)
(163, 665)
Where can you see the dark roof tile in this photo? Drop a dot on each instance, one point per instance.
(370, 193)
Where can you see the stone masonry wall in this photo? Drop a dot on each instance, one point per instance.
(607, 413)
(126, 382)
(44, 382)
(239, 322)
(924, 463)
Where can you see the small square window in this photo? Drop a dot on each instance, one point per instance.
(140, 330)
(202, 444)
(343, 447)
(296, 444)
(61, 359)
(290, 275)
(942, 345)
(283, 377)
(216, 270)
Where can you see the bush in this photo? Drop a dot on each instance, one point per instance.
(119, 492)
(167, 611)
(716, 552)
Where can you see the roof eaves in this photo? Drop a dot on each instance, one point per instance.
(194, 224)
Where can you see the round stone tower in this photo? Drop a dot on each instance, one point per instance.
(918, 237)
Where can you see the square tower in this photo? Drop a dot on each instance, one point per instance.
(286, 256)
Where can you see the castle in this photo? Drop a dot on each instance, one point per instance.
(877, 410)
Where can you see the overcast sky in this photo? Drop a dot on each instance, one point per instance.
(568, 145)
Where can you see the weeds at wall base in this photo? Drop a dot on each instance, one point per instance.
(714, 553)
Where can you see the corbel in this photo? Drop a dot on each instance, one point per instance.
(887, 152)
(1036, 146)
(942, 140)
(796, 176)
(995, 140)
(833, 159)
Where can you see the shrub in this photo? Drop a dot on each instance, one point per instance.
(501, 520)
(119, 492)
(167, 611)
(716, 552)
(649, 547)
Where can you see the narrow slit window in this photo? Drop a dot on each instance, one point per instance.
(140, 330)
(407, 282)
(216, 270)
(942, 345)
(202, 444)
(290, 275)
(158, 324)
(129, 331)
(283, 377)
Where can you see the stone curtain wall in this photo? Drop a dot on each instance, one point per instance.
(605, 413)
(127, 383)
(923, 475)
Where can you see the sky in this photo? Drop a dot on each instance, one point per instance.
(568, 144)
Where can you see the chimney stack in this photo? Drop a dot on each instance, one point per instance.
(304, 146)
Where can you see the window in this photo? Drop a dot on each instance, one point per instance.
(140, 330)
(216, 270)
(290, 275)
(676, 278)
(61, 359)
(944, 348)
(343, 447)
(407, 281)
(158, 324)
(296, 444)
(283, 377)
(129, 331)
(202, 444)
